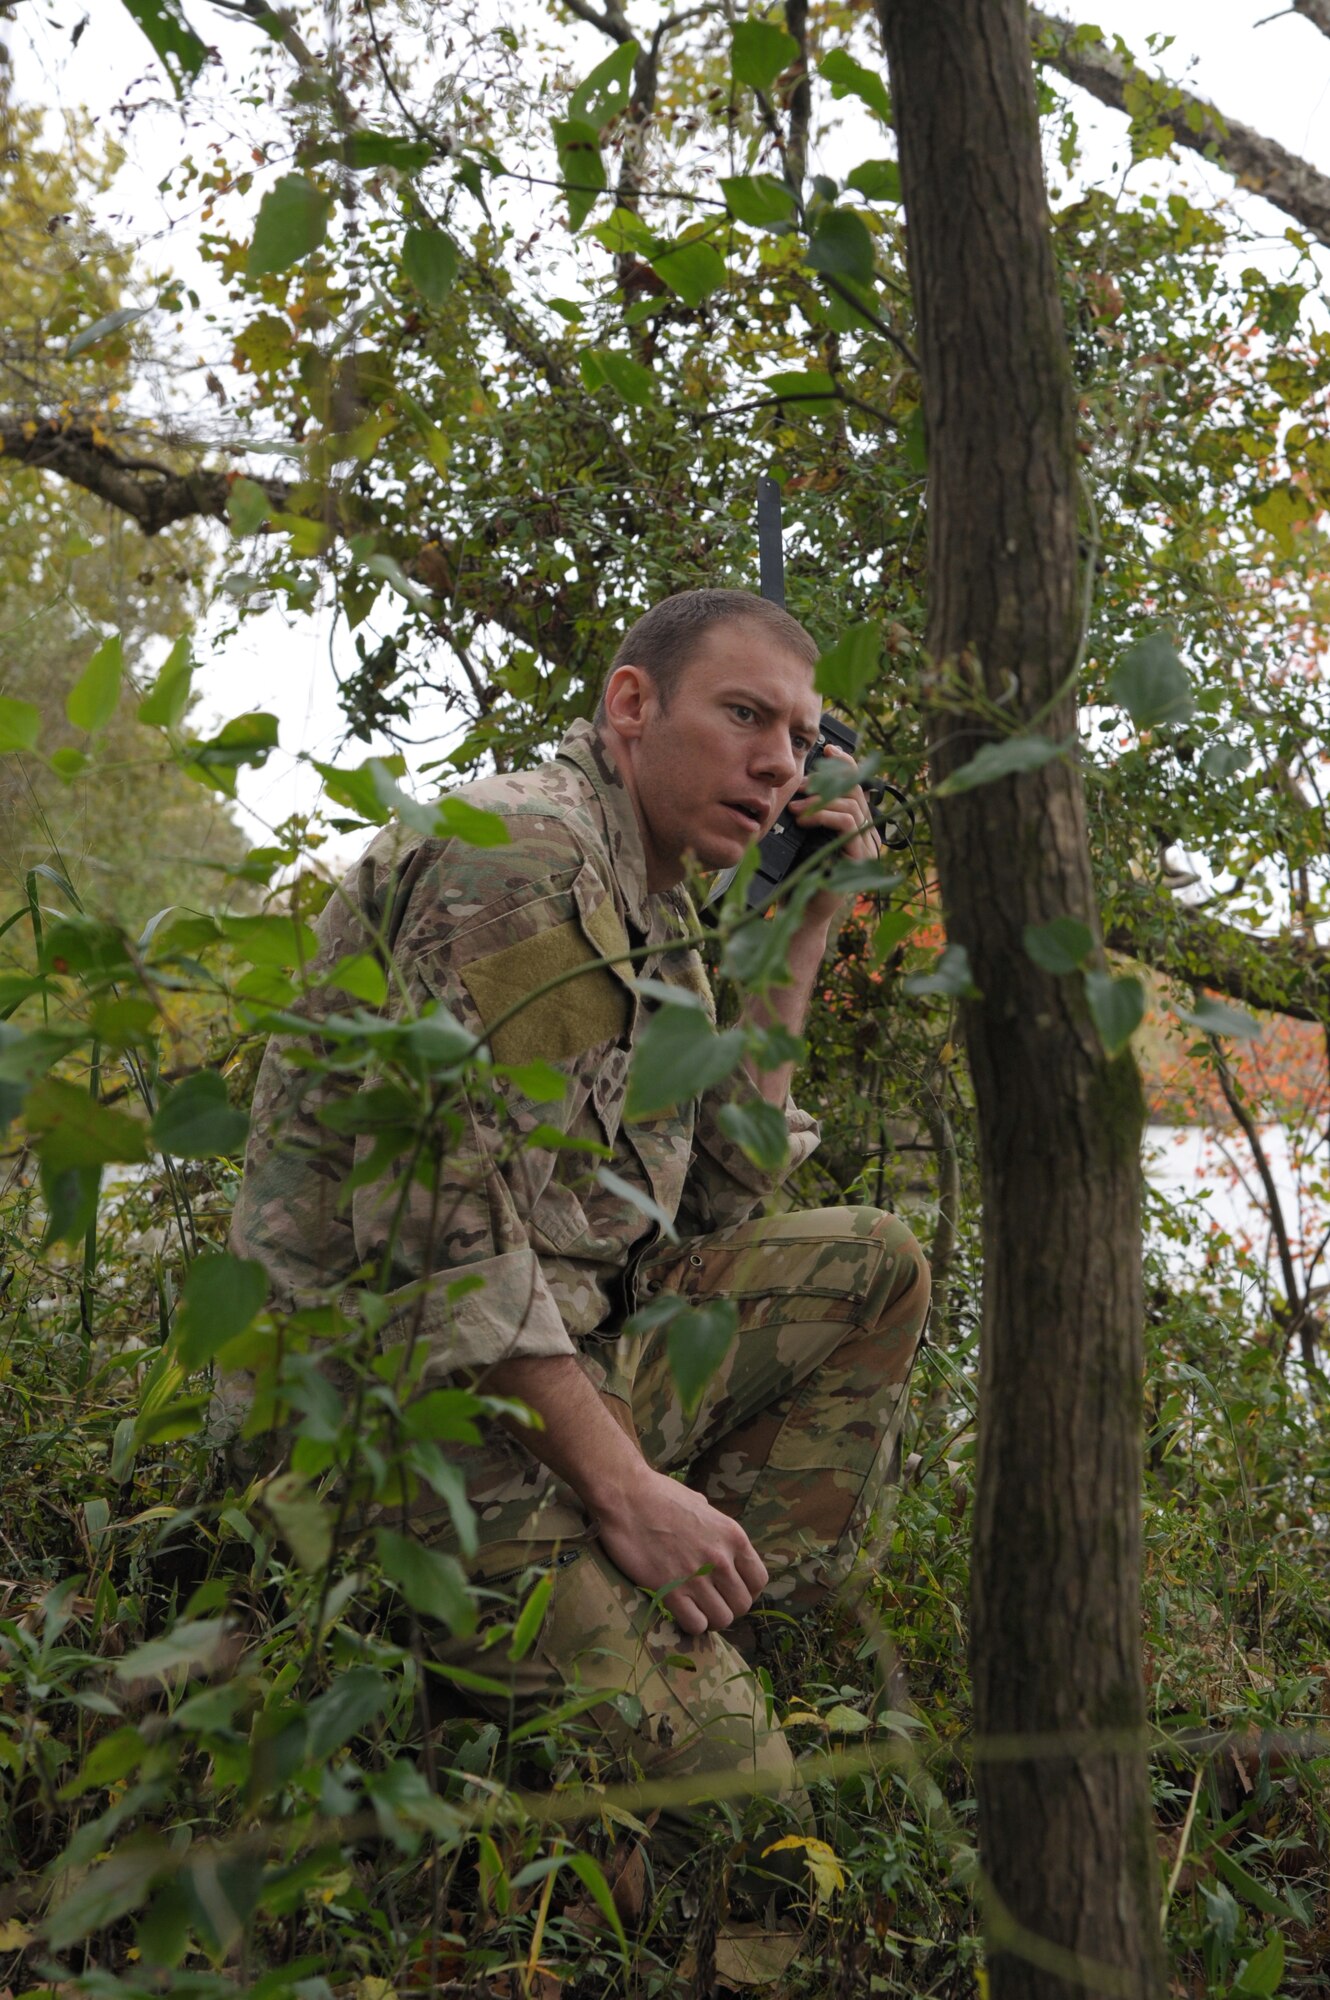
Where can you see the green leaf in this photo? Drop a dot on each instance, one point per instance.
(679, 1055)
(759, 52)
(93, 699)
(950, 976)
(1060, 947)
(111, 322)
(181, 52)
(605, 92)
(693, 270)
(86, 944)
(892, 929)
(1256, 1893)
(71, 1195)
(440, 819)
(458, 819)
(759, 1130)
(1224, 760)
(196, 1643)
(581, 168)
(1011, 757)
(305, 1522)
(592, 1877)
(1117, 1008)
(628, 378)
(841, 246)
(848, 669)
(430, 260)
(638, 1198)
(292, 221)
(109, 1890)
(355, 1698)
(222, 1296)
(1152, 684)
(395, 576)
(849, 78)
(271, 940)
(357, 790)
(696, 1344)
(759, 200)
(73, 1130)
(163, 707)
(526, 1627)
(1214, 1017)
(876, 180)
(1261, 1976)
(361, 150)
(432, 1583)
(20, 724)
(804, 384)
(247, 506)
(361, 976)
(197, 1121)
(245, 739)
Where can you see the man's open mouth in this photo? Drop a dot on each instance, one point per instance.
(755, 815)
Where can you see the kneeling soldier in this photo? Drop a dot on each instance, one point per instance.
(707, 718)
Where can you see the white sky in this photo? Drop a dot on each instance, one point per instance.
(1275, 77)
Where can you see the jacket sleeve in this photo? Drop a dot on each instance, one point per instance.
(723, 1184)
(452, 1241)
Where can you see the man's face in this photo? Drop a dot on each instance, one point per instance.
(713, 771)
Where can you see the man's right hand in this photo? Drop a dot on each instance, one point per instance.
(657, 1530)
(662, 1532)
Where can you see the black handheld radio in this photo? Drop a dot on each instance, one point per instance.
(787, 845)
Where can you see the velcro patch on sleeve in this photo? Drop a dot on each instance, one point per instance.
(555, 1025)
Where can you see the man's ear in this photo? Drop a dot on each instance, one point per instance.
(630, 701)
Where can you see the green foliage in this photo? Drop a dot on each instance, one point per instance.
(292, 222)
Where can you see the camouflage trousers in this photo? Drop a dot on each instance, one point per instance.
(793, 1437)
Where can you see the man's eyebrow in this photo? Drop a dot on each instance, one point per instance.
(768, 708)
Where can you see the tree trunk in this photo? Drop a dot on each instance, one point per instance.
(1072, 1890)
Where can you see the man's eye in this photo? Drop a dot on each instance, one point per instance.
(744, 714)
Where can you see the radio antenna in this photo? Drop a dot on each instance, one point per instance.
(770, 548)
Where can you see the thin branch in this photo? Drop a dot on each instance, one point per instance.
(1288, 1271)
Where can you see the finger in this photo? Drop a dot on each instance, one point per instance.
(689, 1617)
(697, 1606)
(728, 1581)
(753, 1571)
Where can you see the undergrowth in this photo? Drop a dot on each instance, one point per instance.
(223, 1769)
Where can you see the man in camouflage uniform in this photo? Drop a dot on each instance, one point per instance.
(708, 715)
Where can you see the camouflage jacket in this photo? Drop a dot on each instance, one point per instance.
(477, 929)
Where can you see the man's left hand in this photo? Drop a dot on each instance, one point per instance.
(850, 814)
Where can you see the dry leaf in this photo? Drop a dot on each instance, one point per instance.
(752, 1955)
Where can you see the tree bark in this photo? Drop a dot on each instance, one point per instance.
(1072, 1891)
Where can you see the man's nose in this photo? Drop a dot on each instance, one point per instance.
(777, 758)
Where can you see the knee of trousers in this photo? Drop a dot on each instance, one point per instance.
(886, 1269)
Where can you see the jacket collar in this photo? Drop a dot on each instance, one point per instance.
(583, 747)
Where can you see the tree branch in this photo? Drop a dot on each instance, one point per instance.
(151, 495)
(1315, 11)
(1258, 163)
(1273, 974)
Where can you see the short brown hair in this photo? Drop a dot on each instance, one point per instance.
(665, 639)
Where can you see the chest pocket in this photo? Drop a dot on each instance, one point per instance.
(566, 1001)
